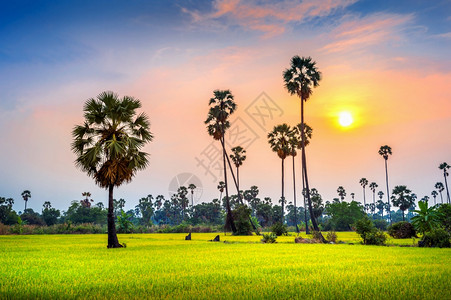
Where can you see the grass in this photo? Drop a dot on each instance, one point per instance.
(167, 266)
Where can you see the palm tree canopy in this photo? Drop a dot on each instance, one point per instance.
(444, 166)
(363, 182)
(373, 186)
(434, 193)
(278, 140)
(223, 107)
(295, 141)
(238, 155)
(380, 194)
(385, 151)
(301, 77)
(221, 186)
(341, 192)
(439, 186)
(402, 197)
(26, 194)
(108, 144)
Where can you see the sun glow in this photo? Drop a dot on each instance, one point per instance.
(345, 119)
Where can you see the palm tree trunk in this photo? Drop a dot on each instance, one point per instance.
(294, 198)
(304, 167)
(238, 181)
(26, 201)
(403, 215)
(307, 229)
(364, 199)
(229, 220)
(112, 236)
(388, 192)
(283, 198)
(441, 196)
(446, 184)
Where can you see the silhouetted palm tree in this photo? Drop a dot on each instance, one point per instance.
(217, 124)
(380, 203)
(352, 196)
(238, 156)
(440, 187)
(385, 151)
(300, 79)
(373, 186)
(444, 166)
(221, 187)
(434, 195)
(364, 182)
(278, 140)
(25, 195)
(341, 192)
(192, 187)
(108, 145)
(403, 198)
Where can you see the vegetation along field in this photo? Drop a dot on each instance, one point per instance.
(167, 266)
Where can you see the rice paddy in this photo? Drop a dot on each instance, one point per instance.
(166, 266)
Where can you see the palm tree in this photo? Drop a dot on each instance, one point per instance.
(295, 143)
(108, 145)
(403, 198)
(221, 187)
(278, 140)
(373, 186)
(300, 79)
(238, 157)
(192, 187)
(380, 203)
(440, 187)
(25, 195)
(385, 151)
(352, 196)
(444, 166)
(341, 192)
(364, 182)
(427, 218)
(217, 124)
(434, 195)
(86, 202)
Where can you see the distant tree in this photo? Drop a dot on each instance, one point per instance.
(192, 187)
(108, 145)
(364, 182)
(444, 166)
(31, 217)
(238, 156)
(222, 106)
(380, 205)
(86, 202)
(317, 201)
(373, 186)
(49, 214)
(7, 215)
(385, 151)
(278, 140)
(343, 214)
(145, 208)
(352, 196)
(440, 187)
(221, 187)
(182, 191)
(300, 79)
(402, 198)
(341, 193)
(434, 195)
(78, 214)
(26, 195)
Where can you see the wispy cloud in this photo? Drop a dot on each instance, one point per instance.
(446, 35)
(269, 17)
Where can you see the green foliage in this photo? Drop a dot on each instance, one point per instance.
(437, 237)
(402, 230)
(124, 224)
(279, 229)
(78, 214)
(380, 224)
(427, 218)
(269, 238)
(376, 237)
(370, 235)
(241, 216)
(343, 214)
(32, 218)
(444, 211)
(331, 237)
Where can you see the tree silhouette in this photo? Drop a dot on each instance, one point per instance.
(440, 187)
(222, 106)
(341, 192)
(434, 195)
(238, 157)
(300, 79)
(192, 187)
(364, 182)
(221, 187)
(108, 145)
(373, 186)
(444, 166)
(385, 151)
(26, 195)
(403, 198)
(278, 140)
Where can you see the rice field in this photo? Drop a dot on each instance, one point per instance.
(166, 266)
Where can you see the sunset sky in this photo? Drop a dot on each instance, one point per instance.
(385, 62)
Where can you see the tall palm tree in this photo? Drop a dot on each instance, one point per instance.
(403, 198)
(192, 187)
(300, 79)
(25, 195)
(341, 192)
(444, 166)
(238, 156)
(221, 187)
(385, 151)
(440, 187)
(434, 195)
(373, 186)
(108, 145)
(222, 106)
(278, 140)
(364, 182)
(295, 143)
(352, 196)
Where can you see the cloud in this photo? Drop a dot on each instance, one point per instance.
(446, 35)
(269, 17)
(368, 31)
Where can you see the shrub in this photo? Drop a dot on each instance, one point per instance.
(376, 237)
(279, 229)
(380, 224)
(241, 216)
(269, 238)
(331, 237)
(317, 236)
(436, 238)
(402, 230)
(445, 216)
(369, 234)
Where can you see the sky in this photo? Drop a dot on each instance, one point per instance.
(385, 62)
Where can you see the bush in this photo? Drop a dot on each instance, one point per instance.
(402, 230)
(241, 216)
(279, 229)
(445, 216)
(331, 237)
(376, 237)
(369, 234)
(380, 224)
(269, 238)
(436, 238)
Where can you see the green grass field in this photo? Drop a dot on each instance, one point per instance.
(167, 266)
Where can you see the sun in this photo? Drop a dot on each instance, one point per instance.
(345, 119)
